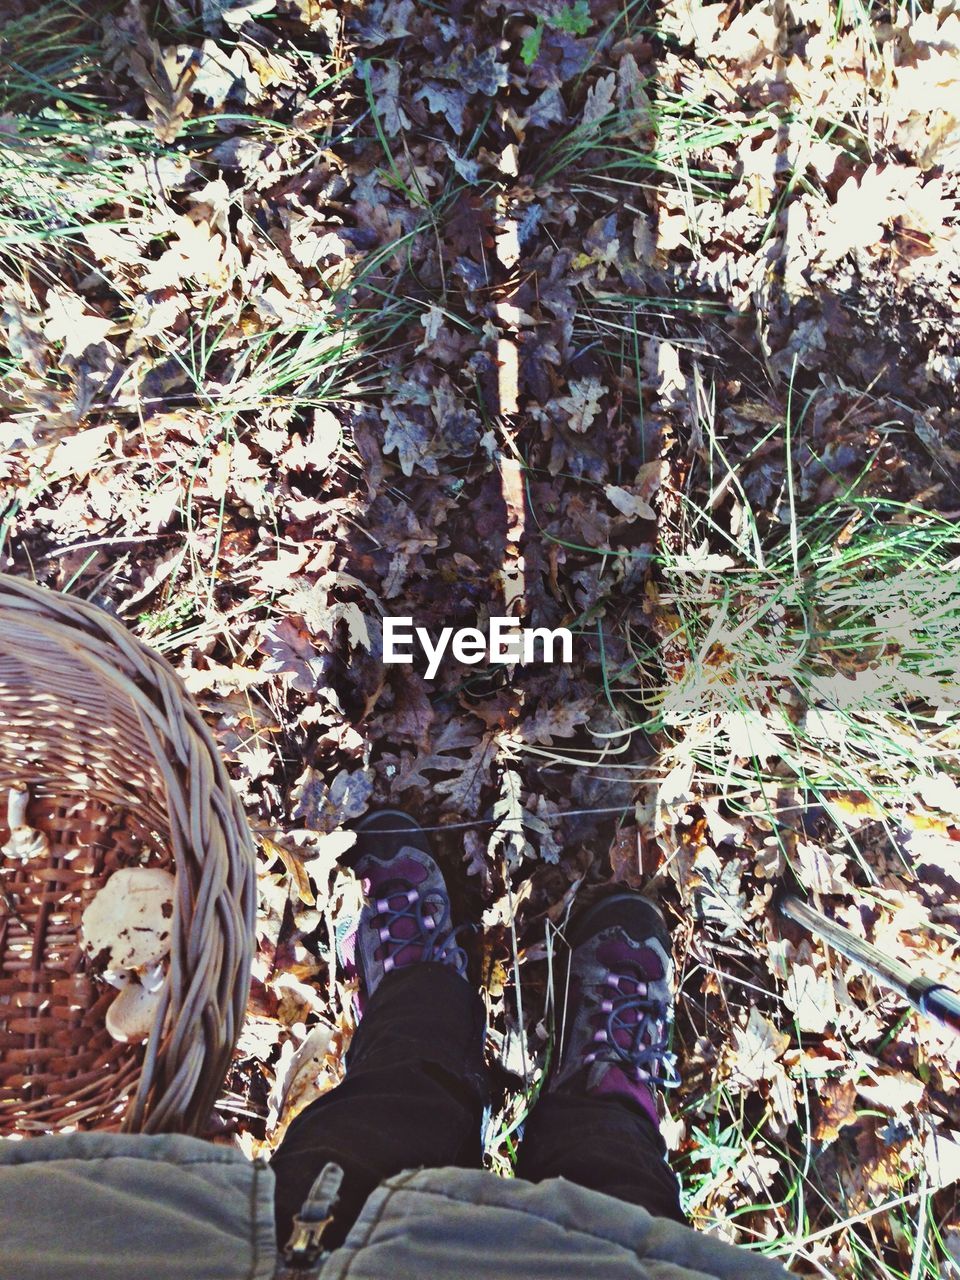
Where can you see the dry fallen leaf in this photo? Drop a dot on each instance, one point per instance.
(583, 403)
(553, 720)
(290, 652)
(294, 866)
(629, 503)
(756, 1048)
(70, 321)
(835, 1107)
(810, 995)
(324, 807)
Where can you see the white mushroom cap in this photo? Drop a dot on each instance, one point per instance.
(130, 919)
(131, 1016)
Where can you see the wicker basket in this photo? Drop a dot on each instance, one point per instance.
(121, 772)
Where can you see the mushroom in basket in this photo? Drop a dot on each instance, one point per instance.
(127, 928)
(25, 841)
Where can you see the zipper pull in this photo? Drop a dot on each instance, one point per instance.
(305, 1246)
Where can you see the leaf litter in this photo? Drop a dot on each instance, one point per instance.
(318, 313)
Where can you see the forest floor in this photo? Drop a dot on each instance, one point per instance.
(639, 322)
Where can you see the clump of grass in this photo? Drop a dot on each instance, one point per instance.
(65, 158)
(826, 654)
(845, 633)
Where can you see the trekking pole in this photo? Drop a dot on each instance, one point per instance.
(935, 999)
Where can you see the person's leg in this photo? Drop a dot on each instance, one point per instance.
(415, 1086)
(596, 1123)
(412, 1096)
(603, 1144)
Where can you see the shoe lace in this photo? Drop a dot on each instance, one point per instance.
(635, 1031)
(436, 944)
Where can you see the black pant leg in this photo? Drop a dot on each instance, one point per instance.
(602, 1143)
(413, 1096)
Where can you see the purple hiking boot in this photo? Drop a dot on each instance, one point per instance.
(405, 918)
(619, 1005)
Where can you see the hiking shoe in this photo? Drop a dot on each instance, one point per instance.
(405, 918)
(619, 1004)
